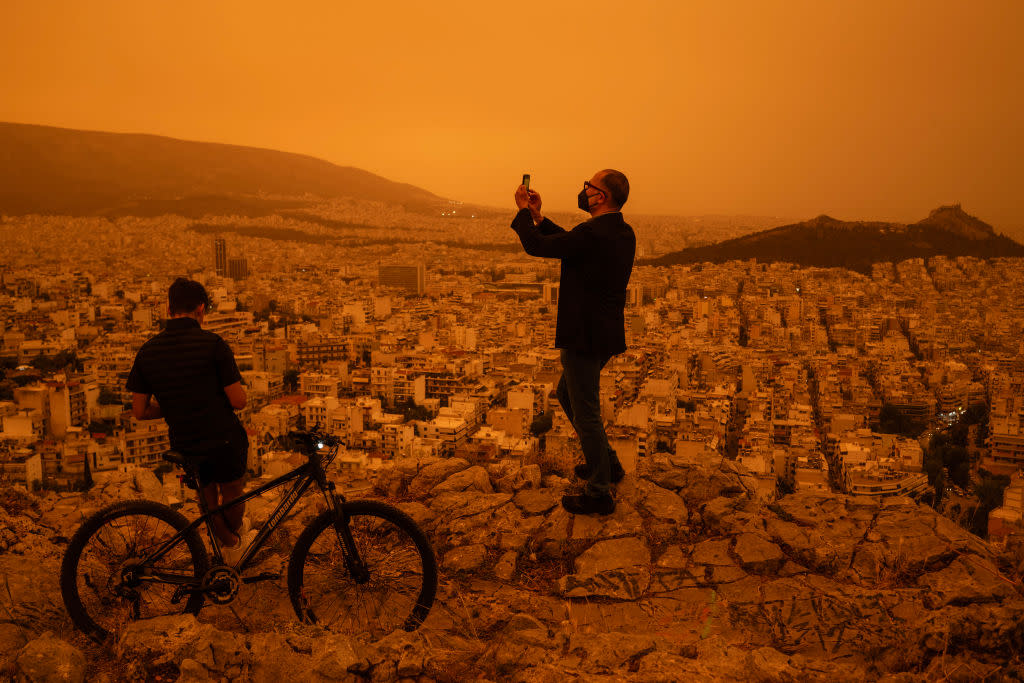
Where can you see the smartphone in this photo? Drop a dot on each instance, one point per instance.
(526, 180)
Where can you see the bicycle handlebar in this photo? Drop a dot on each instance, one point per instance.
(314, 440)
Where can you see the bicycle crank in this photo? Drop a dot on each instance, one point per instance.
(220, 584)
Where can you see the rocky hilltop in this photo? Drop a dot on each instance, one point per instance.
(826, 242)
(700, 574)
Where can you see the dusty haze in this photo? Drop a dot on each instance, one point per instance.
(874, 110)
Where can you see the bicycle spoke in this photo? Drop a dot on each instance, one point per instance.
(117, 549)
(386, 600)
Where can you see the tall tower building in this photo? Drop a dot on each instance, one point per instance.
(238, 268)
(220, 252)
(411, 278)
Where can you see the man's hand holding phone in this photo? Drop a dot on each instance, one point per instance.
(528, 199)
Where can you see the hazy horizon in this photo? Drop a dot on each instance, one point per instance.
(868, 112)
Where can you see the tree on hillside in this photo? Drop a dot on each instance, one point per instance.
(291, 380)
(87, 481)
(411, 411)
(541, 423)
(108, 397)
(936, 475)
(989, 492)
(60, 361)
(26, 379)
(892, 421)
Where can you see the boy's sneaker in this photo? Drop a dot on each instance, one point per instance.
(589, 505)
(246, 535)
(582, 471)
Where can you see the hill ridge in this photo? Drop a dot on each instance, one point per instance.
(48, 170)
(827, 242)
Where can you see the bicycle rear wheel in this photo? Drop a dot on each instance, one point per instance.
(102, 578)
(400, 585)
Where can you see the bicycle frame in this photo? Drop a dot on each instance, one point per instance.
(304, 476)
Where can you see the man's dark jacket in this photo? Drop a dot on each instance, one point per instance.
(597, 259)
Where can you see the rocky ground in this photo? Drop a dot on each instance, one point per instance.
(699, 575)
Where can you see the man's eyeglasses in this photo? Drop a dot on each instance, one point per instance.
(587, 183)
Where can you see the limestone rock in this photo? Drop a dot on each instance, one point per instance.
(505, 569)
(666, 667)
(537, 501)
(520, 479)
(12, 639)
(434, 473)
(336, 658)
(719, 514)
(470, 479)
(673, 571)
(713, 552)
(465, 558)
(696, 477)
(661, 503)
(606, 652)
(550, 539)
(553, 481)
(420, 513)
(176, 637)
(625, 521)
(48, 659)
(192, 671)
(756, 554)
(467, 503)
(139, 482)
(988, 628)
(406, 654)
(618, 568)
(27, 595)
(968, 579)
(510, 540)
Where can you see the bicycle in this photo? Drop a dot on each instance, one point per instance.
(359, 566)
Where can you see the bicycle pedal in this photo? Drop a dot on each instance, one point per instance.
(265, 576)
(179, 593)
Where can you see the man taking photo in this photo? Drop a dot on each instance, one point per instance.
(596, 262)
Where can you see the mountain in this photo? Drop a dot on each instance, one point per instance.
(826, 242)
(61, 171)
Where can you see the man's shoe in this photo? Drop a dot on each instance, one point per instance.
(589, 505)
(582, 471)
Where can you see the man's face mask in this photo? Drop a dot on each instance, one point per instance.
(583, 200)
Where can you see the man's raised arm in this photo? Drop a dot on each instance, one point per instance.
(547, 239)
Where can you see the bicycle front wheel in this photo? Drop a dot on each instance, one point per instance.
(399, 585)
(105, 580)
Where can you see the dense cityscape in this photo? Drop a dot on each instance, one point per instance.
(439, 341)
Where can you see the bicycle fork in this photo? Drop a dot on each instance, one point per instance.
(353, 562)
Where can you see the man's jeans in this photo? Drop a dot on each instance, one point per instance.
(579, 392)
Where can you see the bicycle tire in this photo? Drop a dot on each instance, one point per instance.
(103, 545)
(403, 572)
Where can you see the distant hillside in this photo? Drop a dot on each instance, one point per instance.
(62, 171)
(829, 243)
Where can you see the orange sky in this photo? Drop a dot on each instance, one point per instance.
(862, 109)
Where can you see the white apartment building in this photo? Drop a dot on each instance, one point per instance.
(319, 384)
